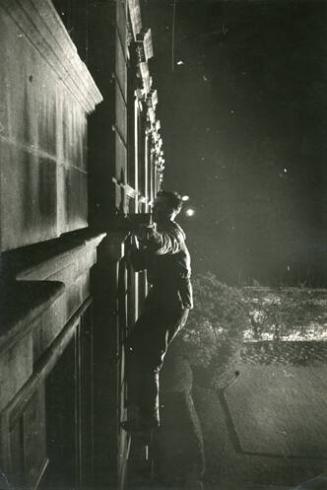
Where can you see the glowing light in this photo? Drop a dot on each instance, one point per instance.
(189, 212)
(185, 198)
(180, 62)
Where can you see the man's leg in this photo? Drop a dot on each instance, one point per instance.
(146, 348)
(165, 326)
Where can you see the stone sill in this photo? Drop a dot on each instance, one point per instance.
(30, 292)
(63, 252)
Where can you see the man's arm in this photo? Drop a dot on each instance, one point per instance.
(169, 241)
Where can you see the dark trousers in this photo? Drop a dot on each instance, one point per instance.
(147, 345)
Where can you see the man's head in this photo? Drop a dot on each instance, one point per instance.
(167, 205)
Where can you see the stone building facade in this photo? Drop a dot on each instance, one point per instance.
(80, 148)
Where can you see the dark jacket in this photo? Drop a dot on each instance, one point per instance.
(165, 256)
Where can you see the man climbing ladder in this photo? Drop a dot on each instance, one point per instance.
(161, 250)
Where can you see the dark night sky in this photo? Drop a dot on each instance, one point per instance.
(244, 127)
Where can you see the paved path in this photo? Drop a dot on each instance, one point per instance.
(269, 427)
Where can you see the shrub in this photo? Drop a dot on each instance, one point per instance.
(213, 335)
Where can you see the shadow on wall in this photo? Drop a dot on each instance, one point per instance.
(179, 448)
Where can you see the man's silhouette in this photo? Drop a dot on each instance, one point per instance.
(161, 250)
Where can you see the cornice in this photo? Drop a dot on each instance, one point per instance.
(135, 15)
(42, 26)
